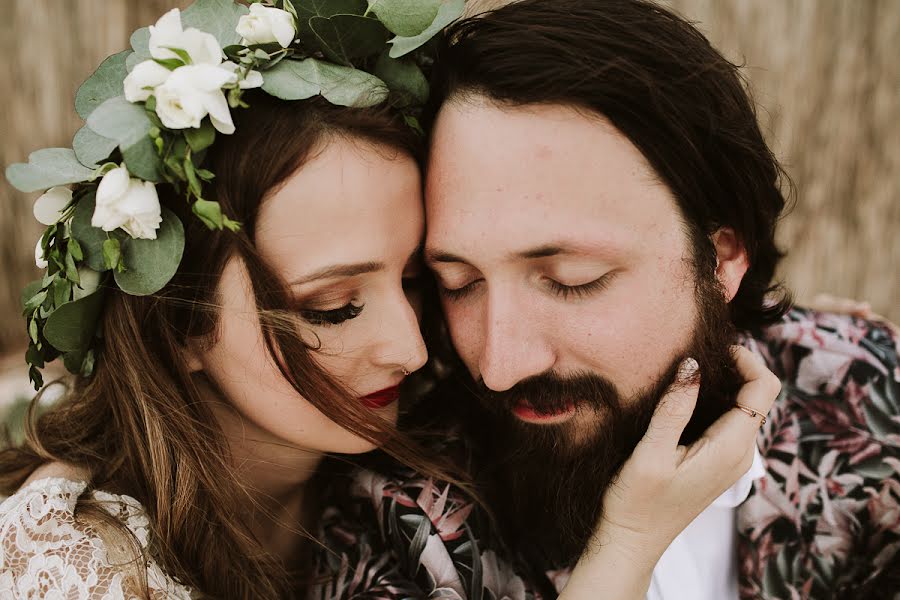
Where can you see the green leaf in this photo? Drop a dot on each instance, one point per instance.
(143, 161)
(72, 270)
(61, 290)
(46, 169)
(210, 213)
(182, 54)
(405, 17)
(169, 63)
(75, 249)
(91, 148)
(33, 330)
(120, 120)
(193, 182)
(448, 12)
(343, 38)
(35, 301)
(112, 253)
(140, 43)
(307, 9)
(105, 83)
(344, 86)
(150, 264)
(71, 327)
(404, 78)
(73, 361)
(30, 291)
(90, 238)
(202, 138)
(218, 17)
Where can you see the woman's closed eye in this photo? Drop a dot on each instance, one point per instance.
(334, 316)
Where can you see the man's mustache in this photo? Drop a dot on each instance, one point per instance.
(550, 393)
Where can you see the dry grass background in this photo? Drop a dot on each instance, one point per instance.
(825, 73)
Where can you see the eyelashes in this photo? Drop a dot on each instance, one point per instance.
(579, 291)
(559, 289)
(332, 317)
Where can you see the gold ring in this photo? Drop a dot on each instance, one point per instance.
(752, 412)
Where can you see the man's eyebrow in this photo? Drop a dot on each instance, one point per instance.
(334, 271)
(438, 256)
(555, 249)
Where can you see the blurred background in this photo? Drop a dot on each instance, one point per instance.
(825, 74)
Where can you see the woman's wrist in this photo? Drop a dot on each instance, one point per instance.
(616, 564)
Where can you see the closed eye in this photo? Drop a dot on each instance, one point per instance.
(332, 317)
(454, 294)
(580, 291)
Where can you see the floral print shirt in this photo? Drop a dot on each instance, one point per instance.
(823, 523)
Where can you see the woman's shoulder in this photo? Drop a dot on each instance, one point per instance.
(49, 548)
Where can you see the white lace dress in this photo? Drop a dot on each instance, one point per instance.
(45, 553)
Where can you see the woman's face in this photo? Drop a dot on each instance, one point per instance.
(344, 231)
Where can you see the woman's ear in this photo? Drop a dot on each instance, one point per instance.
(731, 260)
(192, 350)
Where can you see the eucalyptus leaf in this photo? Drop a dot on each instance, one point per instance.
(140, 44)
(405, 17)
(47, 168)
(218, 17)
(344, 86)
(105, 83)
(30, 291)
(120, 120)
(342, 38)
(449, 11)
(90, 238)
(143, 160)
(91, 148)
(150, 264)
(404, 78)
(202, 138)
(307, 9)
(71, 327)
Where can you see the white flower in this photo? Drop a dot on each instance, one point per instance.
(265, 25)
(143, 79)
(203, 48)
(128, 203)
(192, 92)
(48, 208)
(39, 259)
(253, 79)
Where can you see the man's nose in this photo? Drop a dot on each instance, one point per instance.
(514, 345)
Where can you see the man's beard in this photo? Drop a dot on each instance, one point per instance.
(545, 483)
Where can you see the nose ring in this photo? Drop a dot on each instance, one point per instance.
(405, 372)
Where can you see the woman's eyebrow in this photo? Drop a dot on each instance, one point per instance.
(344, 270)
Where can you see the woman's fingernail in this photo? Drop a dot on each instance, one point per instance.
(687, 370)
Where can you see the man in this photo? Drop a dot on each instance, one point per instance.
(600, 205)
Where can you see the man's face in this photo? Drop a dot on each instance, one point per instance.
(557, 250)
(572, 291)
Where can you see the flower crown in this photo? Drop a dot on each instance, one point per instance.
(152, 112)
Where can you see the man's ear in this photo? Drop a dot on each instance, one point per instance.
(731, 260)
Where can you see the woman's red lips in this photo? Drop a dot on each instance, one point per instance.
(383, 398)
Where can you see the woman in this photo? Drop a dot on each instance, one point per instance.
(186, 462)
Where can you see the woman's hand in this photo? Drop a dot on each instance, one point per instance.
(663, 486)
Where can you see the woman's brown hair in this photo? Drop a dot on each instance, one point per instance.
(139, 424)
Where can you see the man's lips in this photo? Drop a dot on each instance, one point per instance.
(382, 398)
(526, 412)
